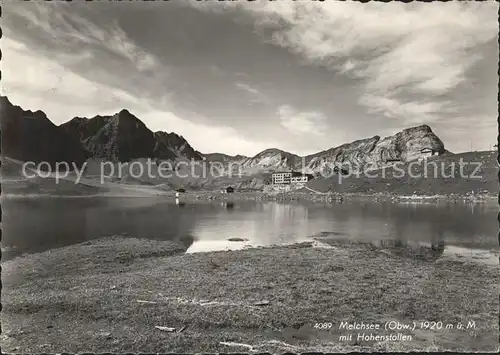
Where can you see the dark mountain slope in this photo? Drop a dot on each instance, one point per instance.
(31, 136)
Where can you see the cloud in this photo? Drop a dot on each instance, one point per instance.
(256, 96)
(36, 82)
(120, 44)
(302, 122)
(424, 110)
(65, 28)
(202, 137)
(369, 68)
(404, 54)
(62, 95)
(247, 88)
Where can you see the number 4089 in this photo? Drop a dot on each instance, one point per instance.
(323, 325)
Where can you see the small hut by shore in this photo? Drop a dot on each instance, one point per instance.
(227, 190)
(179, 191)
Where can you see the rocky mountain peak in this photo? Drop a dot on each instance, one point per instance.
(124, 112)
(4, 100)
(31, 136)
(178, 145)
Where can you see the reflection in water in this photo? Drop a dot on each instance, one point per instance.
(212, 245)
(227, 205)
(270, 223)
(412, 249)
(33, 225)
(288, 223)
(37, 225)
(42, 224)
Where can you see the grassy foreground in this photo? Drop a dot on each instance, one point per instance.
(109, 295)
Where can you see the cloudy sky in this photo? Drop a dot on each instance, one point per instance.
(239, 77)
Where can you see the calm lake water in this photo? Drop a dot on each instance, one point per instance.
(33, 225)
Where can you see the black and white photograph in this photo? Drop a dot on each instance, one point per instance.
(266, 176)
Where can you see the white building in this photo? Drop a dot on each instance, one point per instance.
(299, 179)
(288, 177)
(279, 178)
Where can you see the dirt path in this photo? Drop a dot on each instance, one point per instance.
(317, 192)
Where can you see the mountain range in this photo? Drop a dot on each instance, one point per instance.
(122, 137)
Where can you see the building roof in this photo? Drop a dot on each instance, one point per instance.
(294, 173)
(280, 172)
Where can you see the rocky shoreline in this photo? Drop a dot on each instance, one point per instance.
(334, 197)
(282, 197)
